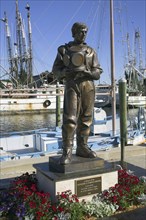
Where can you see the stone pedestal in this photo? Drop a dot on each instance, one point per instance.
(85, 177)
(78, 164)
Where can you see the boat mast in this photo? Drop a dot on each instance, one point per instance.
(24, 45)
(112, 69)
(130, 58)
(10, 54)
(19, 42)
(138, 52)
(30, 69)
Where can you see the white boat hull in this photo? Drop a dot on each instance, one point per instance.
(16, 105)
(26, 100)
(137, 101)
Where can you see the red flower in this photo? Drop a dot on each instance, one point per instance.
(54, 208)
(44, 200)
(76, 199)
(114, 199)
(39, 215)
(60, 209)
(32, 204)
(33, 188)
(63, 195)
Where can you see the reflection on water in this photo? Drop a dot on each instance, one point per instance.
(26, 122)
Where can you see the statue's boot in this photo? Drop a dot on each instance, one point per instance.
(67, 152)
(83, 150)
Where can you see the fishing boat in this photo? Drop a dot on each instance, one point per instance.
(20, 91)
(17, 101)
(39, 142)
(135, 75)
(103, 95)
(135, 72)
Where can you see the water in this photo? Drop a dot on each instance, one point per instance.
(24, 122)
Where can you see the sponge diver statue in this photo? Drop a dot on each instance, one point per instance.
(76, 64)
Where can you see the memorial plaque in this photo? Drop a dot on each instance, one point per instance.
(88, 186)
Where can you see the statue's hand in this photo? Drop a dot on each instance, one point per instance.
(66, 70)
(87, 73)
(95, 73)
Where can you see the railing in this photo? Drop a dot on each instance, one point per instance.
(51, 91)
(31, 92)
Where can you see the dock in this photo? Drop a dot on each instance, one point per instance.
(135, 160)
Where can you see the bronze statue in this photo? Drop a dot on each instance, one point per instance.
(77, 65)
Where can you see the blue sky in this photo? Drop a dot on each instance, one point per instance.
(52, 22)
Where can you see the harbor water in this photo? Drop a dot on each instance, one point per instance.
(25, 122)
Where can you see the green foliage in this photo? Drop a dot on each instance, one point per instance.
(23, 200)
(70, 203)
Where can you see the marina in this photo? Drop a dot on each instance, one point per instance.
(34, 121)
(22, 93)
(32, 138)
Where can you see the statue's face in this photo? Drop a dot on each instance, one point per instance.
(80, 36)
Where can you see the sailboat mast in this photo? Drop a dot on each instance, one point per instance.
(30, 69)
(112, 68)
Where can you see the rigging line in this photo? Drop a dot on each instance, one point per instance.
(42, 35)
(94, 22)
(127, 24)
(126, 12)
(93, 19)
(45, 10)
(90, 12)
(121, 28)
(39, 60)
(101, 28)
(59, 35)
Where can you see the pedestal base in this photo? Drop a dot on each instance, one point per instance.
(77, 164)
(84, 184)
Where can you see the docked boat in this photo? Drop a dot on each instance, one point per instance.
(135, 76)
(39, 142)
(20, 90)
(47, 141)
(103, 97)
(16, 101)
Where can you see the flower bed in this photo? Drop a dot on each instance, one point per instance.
(23, 200)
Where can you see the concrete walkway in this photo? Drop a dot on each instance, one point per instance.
(135, 158)
(137, 214)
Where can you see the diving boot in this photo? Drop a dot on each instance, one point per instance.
(66, 156)
(85, 151)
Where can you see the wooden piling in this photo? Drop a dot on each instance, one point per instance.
(57, 105)
(123, 116)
